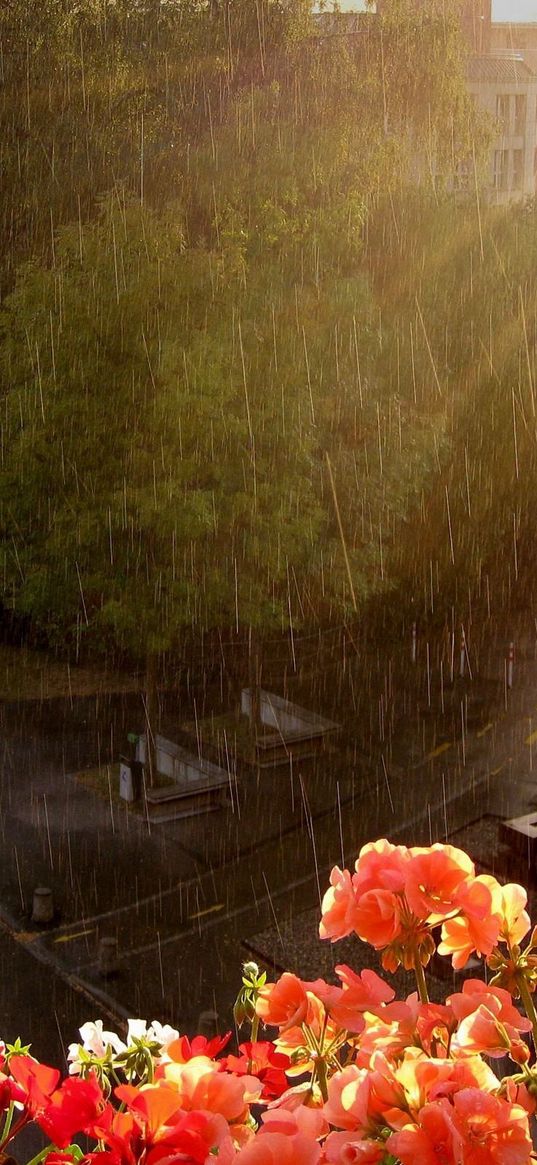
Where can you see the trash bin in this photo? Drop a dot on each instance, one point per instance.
(126, 779)
(131, 780)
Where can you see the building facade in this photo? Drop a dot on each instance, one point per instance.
(506, 88)
(502, 79)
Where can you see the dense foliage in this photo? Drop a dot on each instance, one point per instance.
(211, 414)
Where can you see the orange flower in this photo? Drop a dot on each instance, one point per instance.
(423, 1078)
(475, 929)
(364, 992)
(338, 906)
(378, 918)
(361, 1099)
(434, 1025)
(515, 920)
(508, 902)
(471, 1071)
(284, 1004)
(271, 1148)
(488, 1021)
(200, 1085)
(391, 1031)
(291, 1039)
(483, 1032)
(431, 1142)
(476, 992)
(299, 1118)
(381, 866)
(347, 1149)
(348, 1098)
(433, 877)
(492, 1130)
(154, 1107)
(517, 1093)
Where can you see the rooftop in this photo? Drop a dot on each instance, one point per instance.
(510, 70)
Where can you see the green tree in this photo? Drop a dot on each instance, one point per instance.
(202, 424)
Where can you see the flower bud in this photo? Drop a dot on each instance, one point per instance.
(519, 1052)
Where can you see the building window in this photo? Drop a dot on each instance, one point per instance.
(520, 114)
(518, 169)
(503, 106)
(501, 169)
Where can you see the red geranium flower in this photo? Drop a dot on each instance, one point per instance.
(262, 1060)
(73, 1108)
(37, 1081)
(183, 1049)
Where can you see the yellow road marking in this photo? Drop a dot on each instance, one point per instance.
(482, 731)
(531, 739)
(68, 938)
(438, 751)
(209, 910)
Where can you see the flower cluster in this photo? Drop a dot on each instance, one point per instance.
(398, 896)
(350, 1075)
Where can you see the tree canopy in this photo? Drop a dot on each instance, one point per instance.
(201, 421)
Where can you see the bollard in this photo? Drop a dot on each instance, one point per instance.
(413, 648)
(108, 958)
(42, 905)
(510, 664)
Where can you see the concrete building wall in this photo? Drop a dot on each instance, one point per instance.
(511, 168)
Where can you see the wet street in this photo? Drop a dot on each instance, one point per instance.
(186, 900)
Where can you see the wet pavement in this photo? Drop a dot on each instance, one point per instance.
(420, 755)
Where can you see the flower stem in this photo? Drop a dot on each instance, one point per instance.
(254, 1031)
(41, 1155)
(527, 999)
(13, 1129)
(4, 1135)
(320, 1072)
(420, 978)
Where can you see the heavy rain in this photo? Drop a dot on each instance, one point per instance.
(268, 424)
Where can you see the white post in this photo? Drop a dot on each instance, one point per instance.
(413, 648)
(510, 665)
(42, 905)
(463, 652)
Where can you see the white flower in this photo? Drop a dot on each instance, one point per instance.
(154, 1032)
(164, 1035)
(95, 1041)
(137, 1030)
